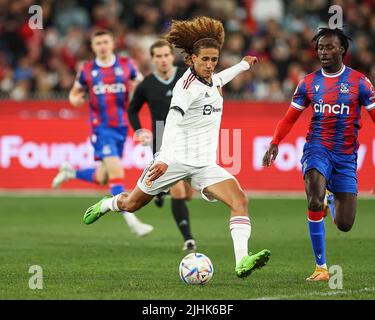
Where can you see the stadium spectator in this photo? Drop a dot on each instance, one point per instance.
(279, 35)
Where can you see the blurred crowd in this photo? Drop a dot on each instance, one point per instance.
(43, 62)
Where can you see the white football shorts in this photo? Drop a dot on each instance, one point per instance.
(198, 177)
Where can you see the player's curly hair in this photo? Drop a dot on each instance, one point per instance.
(339, 33)
(193, 35)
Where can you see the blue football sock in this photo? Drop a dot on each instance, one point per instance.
(317, 236)
(116, 186)
(86, 174)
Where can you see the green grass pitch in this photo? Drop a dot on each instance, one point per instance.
(104, 261)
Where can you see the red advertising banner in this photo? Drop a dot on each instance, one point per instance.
(36, 137)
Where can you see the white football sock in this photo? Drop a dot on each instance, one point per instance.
(130, 218)
(240, 229)
(110, 204)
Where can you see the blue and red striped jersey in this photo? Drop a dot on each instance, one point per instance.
(108, 91)
(336, 100)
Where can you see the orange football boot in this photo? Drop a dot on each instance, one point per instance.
(320, 274)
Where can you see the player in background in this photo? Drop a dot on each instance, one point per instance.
(108, 79)
(190, 139)
(336, 94)
(156, 90)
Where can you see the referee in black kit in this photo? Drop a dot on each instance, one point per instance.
(156, 89)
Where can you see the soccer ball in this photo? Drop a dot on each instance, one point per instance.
(196, 268)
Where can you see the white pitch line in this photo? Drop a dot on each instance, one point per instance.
(319, 293)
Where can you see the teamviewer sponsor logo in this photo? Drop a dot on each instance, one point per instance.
(109, 88)
(208, 109)
(322, 107)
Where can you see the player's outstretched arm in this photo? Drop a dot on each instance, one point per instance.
(270, 154)
(229, 74)
(77, 96)
(367, 95)
(251, 60)
(282, 129)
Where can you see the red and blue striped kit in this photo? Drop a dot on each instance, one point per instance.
(108, 91)
(336, 100)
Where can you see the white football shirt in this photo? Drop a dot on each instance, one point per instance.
(196, 136)
(193, 140)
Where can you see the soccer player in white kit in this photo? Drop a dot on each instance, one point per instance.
(190, 139)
